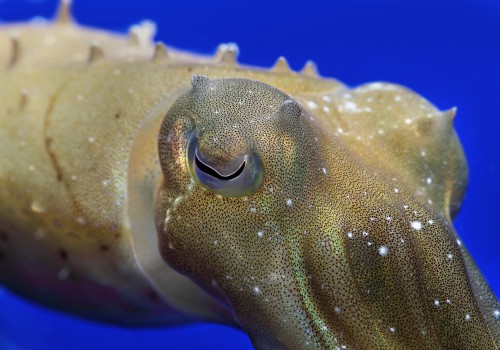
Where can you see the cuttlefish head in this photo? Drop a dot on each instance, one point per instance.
(222, 136)
(307, 241)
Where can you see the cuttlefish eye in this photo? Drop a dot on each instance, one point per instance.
(239, 177)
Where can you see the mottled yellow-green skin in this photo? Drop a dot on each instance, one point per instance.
(348, 242)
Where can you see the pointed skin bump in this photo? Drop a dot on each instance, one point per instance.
(310, 70)
(281, 66)
(142, 34)
(227, 54)
(64, 15)
(160, 53)
(95, 52)
(15, 49)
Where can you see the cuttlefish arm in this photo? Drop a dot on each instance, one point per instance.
(324, 221)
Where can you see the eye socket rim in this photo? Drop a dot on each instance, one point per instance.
(245, 183)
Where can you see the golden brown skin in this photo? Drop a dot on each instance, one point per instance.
(348, 242)
(340, 235)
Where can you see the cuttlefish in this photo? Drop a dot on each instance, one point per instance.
(143, 185)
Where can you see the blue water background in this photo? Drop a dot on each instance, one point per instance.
(448, 51)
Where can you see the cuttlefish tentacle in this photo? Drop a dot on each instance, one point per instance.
(348, 241)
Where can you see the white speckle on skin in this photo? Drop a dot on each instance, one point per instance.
(396, 190)
(289, 202)
(260, 234)
(408, 121)
(327, 99)
(392, 330)
(80, 220)
(383, 250)
(436, 303)
(375, 86)
(397, 98)
(326, 109)
(416, 225)
(79, 98)
(91, 139)
(337, 309)
(324, 170)
(312, 104)
(350, 106)
(349, 234)
(429, 181)
(449, 256)
(496, 313)
(64, 273)
(467, 317)
(430, 222)
(39, 234)
(459, 243)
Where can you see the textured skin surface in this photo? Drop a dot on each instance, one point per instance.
(347, 243)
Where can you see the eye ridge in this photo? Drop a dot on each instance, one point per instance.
(212, 172)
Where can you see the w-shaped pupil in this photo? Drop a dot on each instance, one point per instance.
(212, 172)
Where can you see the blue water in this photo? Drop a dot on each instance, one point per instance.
(448, 51)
